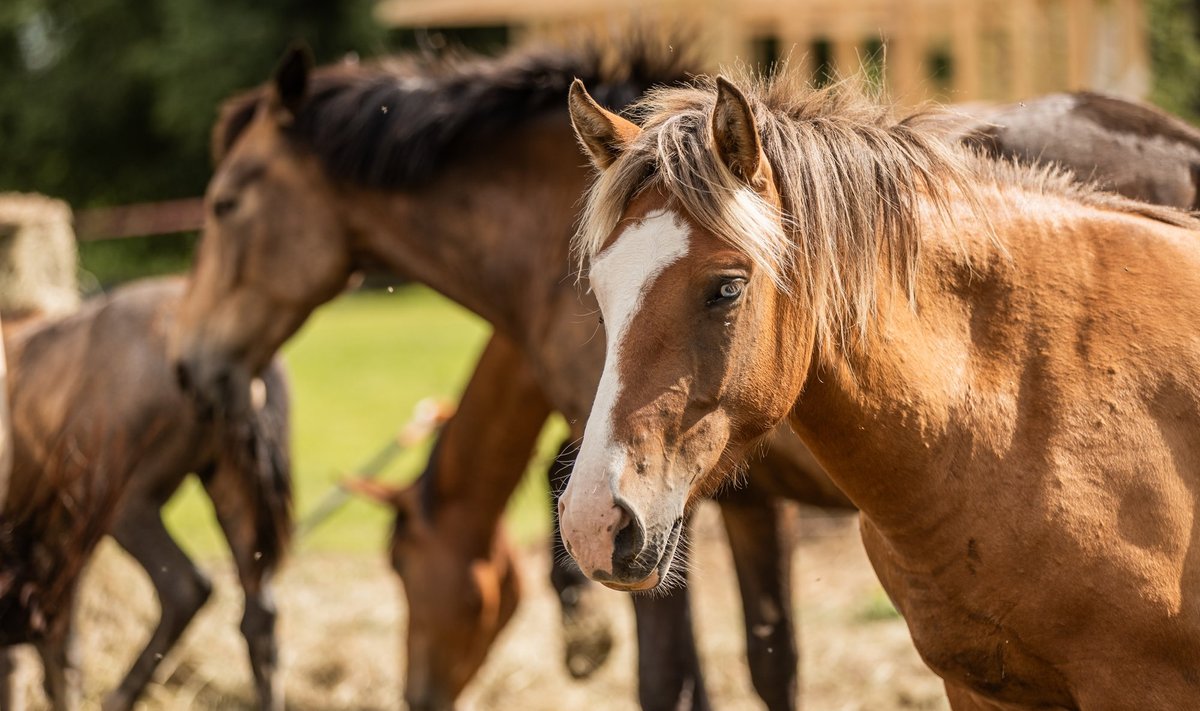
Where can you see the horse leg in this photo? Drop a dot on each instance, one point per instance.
(669, 674)
(181, 587)
(63, 680)
(254, 574)
(762, 551)
(587, 637)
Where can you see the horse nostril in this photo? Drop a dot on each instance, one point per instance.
(630, 538)
(183, 376)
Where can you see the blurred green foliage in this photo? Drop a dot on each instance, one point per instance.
(107, 102)
(1174, 27)
(111, 101)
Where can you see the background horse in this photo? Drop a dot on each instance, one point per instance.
(1131, 148)
(316, 175)
(102, 439)
(997, 365)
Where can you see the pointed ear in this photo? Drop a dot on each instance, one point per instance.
(735, 136)
(603, 134)
(289, 84)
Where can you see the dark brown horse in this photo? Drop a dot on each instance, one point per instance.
(1131, 148)
(427, 174)
(102, 439)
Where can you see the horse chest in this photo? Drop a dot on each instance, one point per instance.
(980, 655)
(964, 642)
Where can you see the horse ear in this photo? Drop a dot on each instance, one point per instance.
(603, 134)
(289, 85)
(735, 136)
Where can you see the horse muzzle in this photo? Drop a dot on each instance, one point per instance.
(618, 547)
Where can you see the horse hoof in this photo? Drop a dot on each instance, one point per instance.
(586, 634)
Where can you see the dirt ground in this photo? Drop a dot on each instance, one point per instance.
(341, 618)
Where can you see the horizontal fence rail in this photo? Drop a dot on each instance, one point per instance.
(139, 220)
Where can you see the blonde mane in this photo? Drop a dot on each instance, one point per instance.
(855, 187)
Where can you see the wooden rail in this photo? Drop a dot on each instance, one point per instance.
(139, 220)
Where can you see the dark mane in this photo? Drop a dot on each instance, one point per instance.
(393, 123)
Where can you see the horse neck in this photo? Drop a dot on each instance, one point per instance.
(885, 418)
(484, 449)
(491, 231)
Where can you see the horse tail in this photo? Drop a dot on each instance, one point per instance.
(251, 484)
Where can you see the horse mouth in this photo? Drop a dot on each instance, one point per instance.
(656, 575)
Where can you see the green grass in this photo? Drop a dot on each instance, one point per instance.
(358, 368)
(877, 607)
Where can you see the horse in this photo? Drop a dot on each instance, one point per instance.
(1127, 147)
(996, 364)
(427, 173)
(428, 190)
(100, 450)
(429, 538)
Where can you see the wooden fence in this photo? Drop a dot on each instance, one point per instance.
(139, 220)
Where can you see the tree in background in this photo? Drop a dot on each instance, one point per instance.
(1175, 55)
(108, 102)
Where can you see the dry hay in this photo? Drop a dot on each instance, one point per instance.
(38, 255)
(340, 623)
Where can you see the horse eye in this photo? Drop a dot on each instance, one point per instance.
(728, 291)
(224, 206)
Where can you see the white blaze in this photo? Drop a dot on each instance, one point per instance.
(621, 276)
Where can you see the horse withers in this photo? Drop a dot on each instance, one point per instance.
(998, 366)
(103, 437)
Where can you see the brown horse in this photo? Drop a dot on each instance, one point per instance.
(427, 173)
(459, 573)
(101, 449)
(998, 366)
(454, 470)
